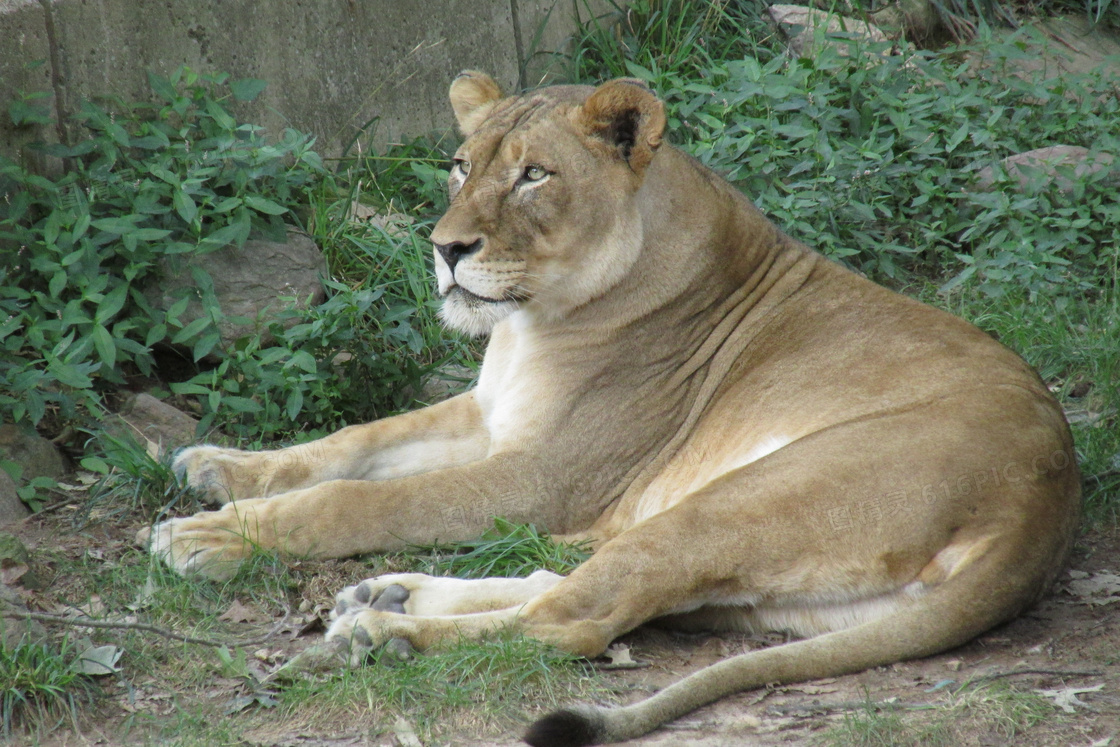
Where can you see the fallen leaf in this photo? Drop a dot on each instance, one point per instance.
(1067, 699)
(619, 655)
(145, 596)
(93, 608)
(1100, 588)
(239, 613)
(405, 734)
(812, 689)
(98, 660)
(12, 572)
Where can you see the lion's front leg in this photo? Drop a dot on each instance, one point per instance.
(437, 437)
(340, 518)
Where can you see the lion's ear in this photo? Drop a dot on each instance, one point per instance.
(626, 114)
(473, 95)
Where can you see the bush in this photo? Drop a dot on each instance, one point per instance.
(145, 183)
(149, 186)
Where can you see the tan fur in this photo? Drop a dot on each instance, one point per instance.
(753, 436)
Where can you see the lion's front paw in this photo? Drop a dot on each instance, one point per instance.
(219, 475)
(210, 544)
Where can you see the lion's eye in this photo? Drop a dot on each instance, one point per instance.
(463, 165)
(534, 173)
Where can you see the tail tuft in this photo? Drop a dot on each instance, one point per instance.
(571, 727)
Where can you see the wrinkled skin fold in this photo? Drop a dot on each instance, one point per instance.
(752, 436)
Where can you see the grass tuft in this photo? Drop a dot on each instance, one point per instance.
(38, 688)
(508, 549)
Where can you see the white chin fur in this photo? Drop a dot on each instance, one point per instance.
(471, 317)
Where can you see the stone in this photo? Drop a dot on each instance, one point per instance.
(800, 23)
(146, 418)
(255, 282)
(11, 507)
(916, 20)
(1049, 160)
(12, 629)
(36, 455)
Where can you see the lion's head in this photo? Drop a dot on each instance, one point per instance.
(542, 215)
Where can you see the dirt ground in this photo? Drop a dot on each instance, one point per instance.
(1070, 641)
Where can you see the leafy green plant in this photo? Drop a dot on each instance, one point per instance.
(144, 185)
(35, 492)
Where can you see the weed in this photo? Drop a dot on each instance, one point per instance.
(133, 479)
(989, 708)
(875, 725)
(1001, 708)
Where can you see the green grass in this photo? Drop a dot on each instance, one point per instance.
(39, 691)
(507, 549)
(472, 687)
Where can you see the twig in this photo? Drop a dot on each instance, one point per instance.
(143, 627)
(1017, 672)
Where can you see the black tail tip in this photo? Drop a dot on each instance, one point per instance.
(566, 728)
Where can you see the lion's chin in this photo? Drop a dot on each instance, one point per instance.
(471, 315)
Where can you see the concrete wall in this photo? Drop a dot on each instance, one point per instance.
(332, 65)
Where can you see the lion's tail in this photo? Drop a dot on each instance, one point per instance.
(957, 610)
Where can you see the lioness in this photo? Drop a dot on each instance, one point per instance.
(752, 436)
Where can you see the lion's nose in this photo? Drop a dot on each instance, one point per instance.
(456, 250)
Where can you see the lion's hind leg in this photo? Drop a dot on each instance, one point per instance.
(413, 609)
(443, 596)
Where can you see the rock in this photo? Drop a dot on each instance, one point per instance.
(800, 23)
(36, 455)
(14, 630)
(396, 225)
(446, 382)
(144, 417)
(1068, 44)
(1048, 160)
(256, 282)
(915, 19)
(11, 507)
(17, 568)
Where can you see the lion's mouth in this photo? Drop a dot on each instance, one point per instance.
(473, 297)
